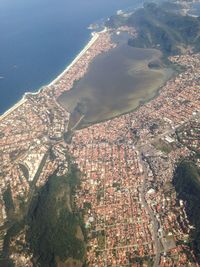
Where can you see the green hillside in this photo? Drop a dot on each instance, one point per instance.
(187, 184)
(158, 28)
(55, 233)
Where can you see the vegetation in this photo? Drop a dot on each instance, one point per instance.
(157, 28)
(6, 263)
(2, 135)
(37, 175)
(146, 261)
(187, 184)
(68, 136)
(101, 239)
(24, 170)
(12, 231)
(163, 146)
(9, 205)
(53, 226)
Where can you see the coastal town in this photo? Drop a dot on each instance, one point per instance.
(28, 129)
(131, 212)
(127, 191)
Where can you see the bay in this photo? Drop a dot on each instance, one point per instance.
(39, 38)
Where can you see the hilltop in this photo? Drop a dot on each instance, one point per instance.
(161, 28)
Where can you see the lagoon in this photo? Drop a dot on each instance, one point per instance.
(117, 82)
(40, 38)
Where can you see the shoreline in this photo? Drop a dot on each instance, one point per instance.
(156, 94)
(15, 106)
(94, 37)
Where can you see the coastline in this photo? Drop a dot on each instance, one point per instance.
(10, 110)
(94, 37)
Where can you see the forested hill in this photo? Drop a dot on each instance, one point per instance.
(160, 28)
(187, 184)
(55, 230)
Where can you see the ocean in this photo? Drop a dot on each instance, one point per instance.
(39, 38)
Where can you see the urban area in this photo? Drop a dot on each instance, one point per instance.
(131, 211)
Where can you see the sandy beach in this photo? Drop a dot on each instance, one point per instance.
(95, 36)
(10, 110)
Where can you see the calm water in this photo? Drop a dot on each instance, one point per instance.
(38, 38)
(116, 83)
(196, 9)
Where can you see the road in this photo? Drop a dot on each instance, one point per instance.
(152, 216)
(155, 224)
